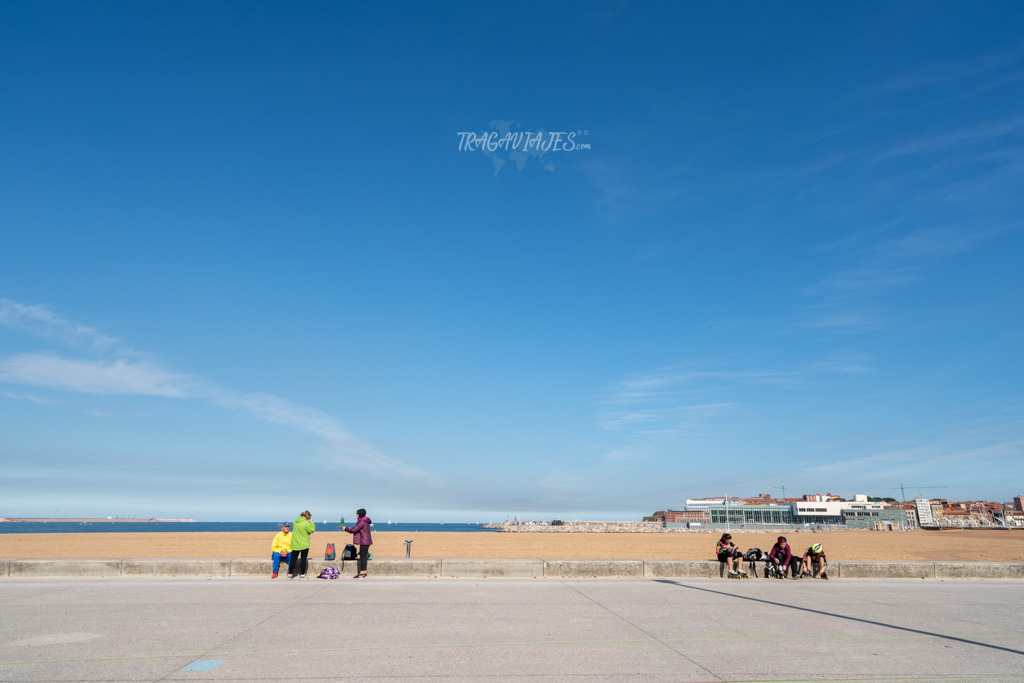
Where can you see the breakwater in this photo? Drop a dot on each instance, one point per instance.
(565, 527)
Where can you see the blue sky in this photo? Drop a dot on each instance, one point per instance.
(246, 270)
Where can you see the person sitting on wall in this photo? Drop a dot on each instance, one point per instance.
(781, 555)
(281, 547)
(730, 555)
(815, 562)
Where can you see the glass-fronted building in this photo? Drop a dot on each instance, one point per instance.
(754, 516)
(809, 514)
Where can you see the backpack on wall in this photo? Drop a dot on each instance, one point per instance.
(329, 553)
(350, 553)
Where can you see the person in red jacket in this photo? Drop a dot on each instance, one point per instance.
(362, 538)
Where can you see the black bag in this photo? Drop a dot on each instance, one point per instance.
(350, 552)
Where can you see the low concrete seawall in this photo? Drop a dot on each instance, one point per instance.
(176, 567)
(64, 567)
(466, 568)
(484, 568)
(593, 568)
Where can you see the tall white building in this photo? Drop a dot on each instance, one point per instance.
(924, 512)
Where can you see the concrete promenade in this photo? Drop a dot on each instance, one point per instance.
(509, 629)
(466, 568)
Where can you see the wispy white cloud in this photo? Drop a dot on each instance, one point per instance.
(625, 455)
(680, 402)
(33, 399)
(124, 373)
(997, 82)
(678, 416)
(615, 192)
(946, 140)
(904, 260)
(620, 195)
(887, 108)
(912, 460)
(846, 321)
(339, 446)
(671, 383)
(117, 377)
(41, 321)
(841, 363)
(939, 242)
(868, 278)
(940, 73)
(860, 235)
(669, 403)
(656, 251)
(965, 448)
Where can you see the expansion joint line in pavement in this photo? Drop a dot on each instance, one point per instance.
(642, 630)
(212, 652)
(525, 643)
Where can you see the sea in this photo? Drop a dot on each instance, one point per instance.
(137, 527)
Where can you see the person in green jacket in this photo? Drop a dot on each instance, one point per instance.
(301, 531)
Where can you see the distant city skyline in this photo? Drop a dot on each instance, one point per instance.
(850, 497)
(260, 258)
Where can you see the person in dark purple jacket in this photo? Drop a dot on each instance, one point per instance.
(362, 538)
(782, 555)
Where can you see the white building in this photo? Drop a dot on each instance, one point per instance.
(702, 504)
(924, 512)
(819, 512)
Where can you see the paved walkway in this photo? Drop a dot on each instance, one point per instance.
(494, 630)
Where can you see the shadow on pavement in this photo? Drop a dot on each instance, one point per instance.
(841, 616)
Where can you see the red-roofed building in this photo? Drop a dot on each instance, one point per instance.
(687, 517)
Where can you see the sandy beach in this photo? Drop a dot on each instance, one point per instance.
(960, 545)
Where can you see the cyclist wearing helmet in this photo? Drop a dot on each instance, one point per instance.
(815, 555)
(781, 556)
